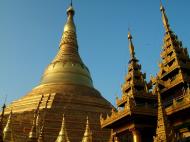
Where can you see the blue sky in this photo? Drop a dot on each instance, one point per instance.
(30, 31)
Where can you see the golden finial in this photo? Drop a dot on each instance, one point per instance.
(131, 46)
(63, 137)
(8, 131)
(69, 34)
(164, 18)
(70, 10)
(87, 134)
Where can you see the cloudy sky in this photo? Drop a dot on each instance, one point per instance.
(30, 31)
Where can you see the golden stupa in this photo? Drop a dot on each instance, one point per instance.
(66, 87)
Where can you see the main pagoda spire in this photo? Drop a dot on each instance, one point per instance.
(67, 66)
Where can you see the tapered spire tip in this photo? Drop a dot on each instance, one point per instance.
(70, 9)
(131, 46)
(164, 17)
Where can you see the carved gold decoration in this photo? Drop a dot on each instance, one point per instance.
(164, 132)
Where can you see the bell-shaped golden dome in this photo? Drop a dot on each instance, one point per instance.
(67, 67)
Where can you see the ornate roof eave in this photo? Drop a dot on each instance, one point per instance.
(147, 96)
(127, 113)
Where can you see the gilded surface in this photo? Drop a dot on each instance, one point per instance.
(67, 87)
(87, 134)
(63, 136)
(67, 66)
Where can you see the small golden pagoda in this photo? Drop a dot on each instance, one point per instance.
(63, 136)
(164, 131)
(41, 130)
(1, 123)
(135, 118)
(174, 79)
(87, 134)
(68, 82)
(33, 132)
(41, 135)
(8, 131)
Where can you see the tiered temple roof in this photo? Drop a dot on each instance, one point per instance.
(136, 111)
(136, 98)
(175, 64)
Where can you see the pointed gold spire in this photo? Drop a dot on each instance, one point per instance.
(87, 134)
(164, 17)
(164, 132)
(41, 134)
(131, 46)
(67, 66)
(69, 34)
(33, 132)
(1, 122)
(63, 137)
(8, 131)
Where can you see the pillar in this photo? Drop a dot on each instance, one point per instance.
(136, 135)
